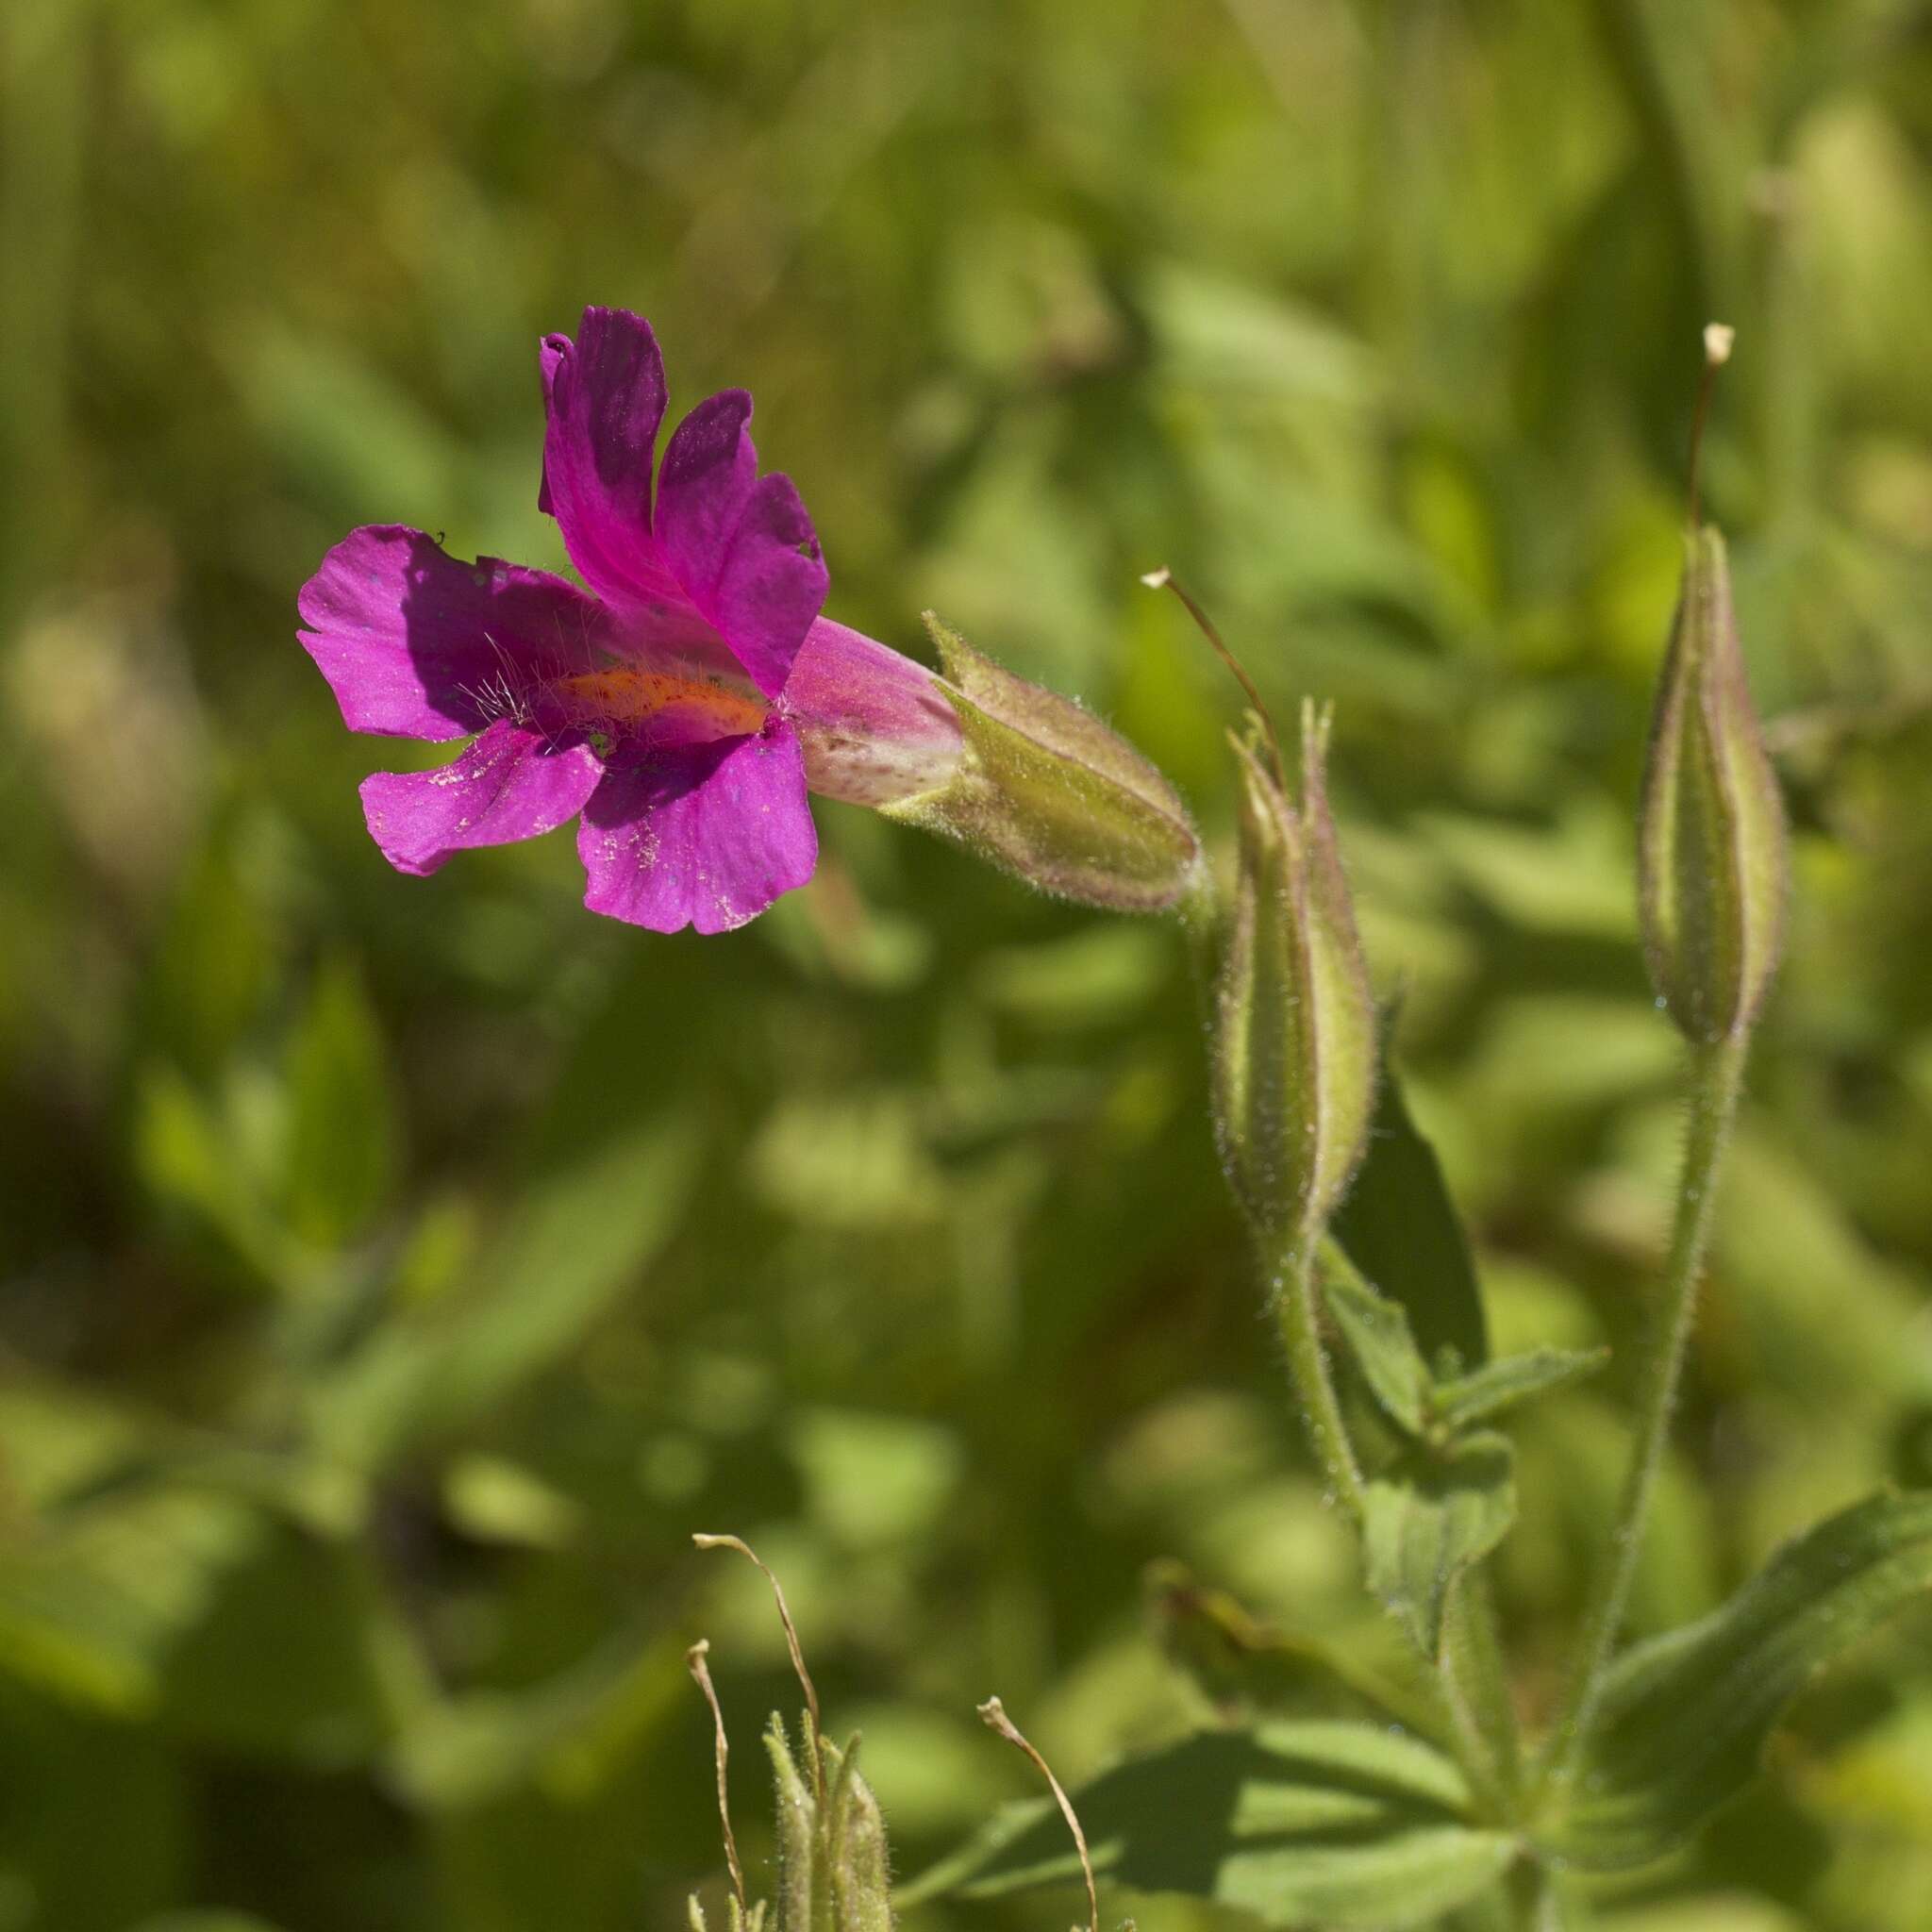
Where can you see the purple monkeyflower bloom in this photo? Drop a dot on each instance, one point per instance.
(680, 708)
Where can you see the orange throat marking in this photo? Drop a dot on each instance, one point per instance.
(622, 697)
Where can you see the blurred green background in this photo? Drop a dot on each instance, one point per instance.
(394, 1274)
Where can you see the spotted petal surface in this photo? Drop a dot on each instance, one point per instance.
(705, 836)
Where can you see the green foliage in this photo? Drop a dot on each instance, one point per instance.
(1500, 1385)
(1427, 1519)
(1400, 1228)
(345, 1476)
(1686, 1716)
(1331, 1824)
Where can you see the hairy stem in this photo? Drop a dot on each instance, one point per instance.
(1717, 1076)
(1475, 1682)
(1295, 1309)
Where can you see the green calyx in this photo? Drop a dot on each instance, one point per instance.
(833, 1867)
(1048, 792)
(1295, 1057)
(1712, 863)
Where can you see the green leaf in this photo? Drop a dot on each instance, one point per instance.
(342, 1124)
(1399, 1227)
(1429, 1518)
(578, 1244)
(1378, 1335)
(1501, 1385)
(90, 1610)
(1685, 1717)
(1328, 1823)
(1244, 1667)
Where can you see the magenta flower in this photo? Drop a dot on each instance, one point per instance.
(680, 709)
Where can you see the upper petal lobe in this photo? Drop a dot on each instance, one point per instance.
(706, 836)
(511, 784)
(744, 548)
(604, 397)
(416, 644)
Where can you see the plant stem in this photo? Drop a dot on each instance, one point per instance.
(1535, 1905)
(1475, 1682)
(1717, 1076)
(1308, 1362)
(1469, 1683)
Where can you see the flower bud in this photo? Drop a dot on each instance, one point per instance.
(1045, 790)
(1711, 833)
(1295, 1056)
(832, 1857)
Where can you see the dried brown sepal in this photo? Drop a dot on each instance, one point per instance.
(694, 1660)
(815, 1731)
(994, 1712)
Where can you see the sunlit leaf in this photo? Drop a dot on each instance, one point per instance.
(1314, 1823)
(1378, 1336)
(91, 1611)
(1686, 1716)
(1428, 1518)
(1514, 1378)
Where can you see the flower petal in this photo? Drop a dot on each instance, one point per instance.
(875, 726)
(510, 784)
(709, 467)
(605, 398)
(415, 643)
(707, 835)
(744, 549)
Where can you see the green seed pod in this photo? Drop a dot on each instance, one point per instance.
(1295, 1054)
(1712, 871)
(1047, 791)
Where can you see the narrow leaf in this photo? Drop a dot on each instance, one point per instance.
(1400, 1229)
(1378, 1336)
(1686, 1717)
(342, 1128)
(1501, 1385)
(1337, 1824)
(580, 1238)
(1429, 1518)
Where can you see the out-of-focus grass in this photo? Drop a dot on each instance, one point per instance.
(394, 1272)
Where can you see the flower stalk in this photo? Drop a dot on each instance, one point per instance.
(1712, 876)
(1717, 1079)
(1297, 1317)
